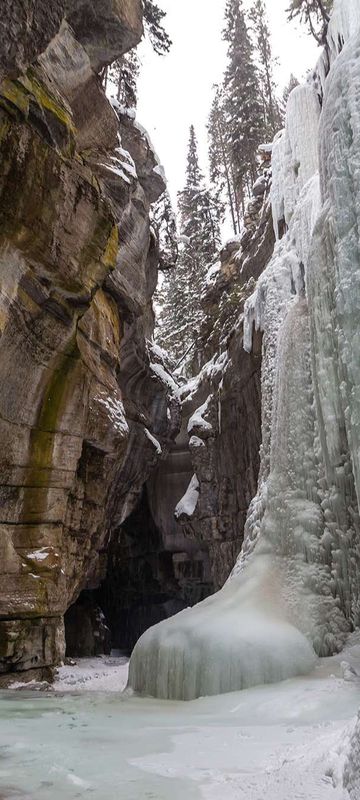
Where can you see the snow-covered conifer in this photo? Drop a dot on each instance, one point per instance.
(199, 240)
(164, 222)
(124, 73)
(293, 82)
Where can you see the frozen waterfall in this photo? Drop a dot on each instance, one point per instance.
(293, 593)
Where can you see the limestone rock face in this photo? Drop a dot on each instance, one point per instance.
(78, 267)
(26, 28)
(106, 29)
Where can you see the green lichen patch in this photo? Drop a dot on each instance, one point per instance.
(56, 397)
(53, 213)
(47, 100)
(28, 98)
(99, 255)
(40, 498)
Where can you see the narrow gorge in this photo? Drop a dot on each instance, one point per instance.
(200, 517)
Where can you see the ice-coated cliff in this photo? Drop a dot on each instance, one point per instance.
(293, 593)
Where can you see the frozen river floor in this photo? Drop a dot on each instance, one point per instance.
(87, 740)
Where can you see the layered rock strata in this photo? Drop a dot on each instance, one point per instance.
(83, 418)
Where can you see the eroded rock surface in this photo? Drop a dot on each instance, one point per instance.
(78, 268)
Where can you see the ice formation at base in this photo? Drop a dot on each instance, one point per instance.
(236, 638)
(352, 764)
(294, 592)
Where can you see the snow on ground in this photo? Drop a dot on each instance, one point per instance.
(99, 674)
(286, 741)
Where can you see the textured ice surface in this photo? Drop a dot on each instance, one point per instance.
(294, 590)
(345, 21)
(232, 640)
(97, 674)
(295, 153)
(267, 743)
(333, 287)
(352, 763)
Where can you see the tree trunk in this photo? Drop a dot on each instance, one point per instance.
(228, 182)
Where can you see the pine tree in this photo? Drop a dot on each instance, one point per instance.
(272, 113)
(163, 220)
(153, 17)
(315, 13)
(172, 326)
(293, 83)
(124, 73)
(198, 211)
(242, 102)
(199, 241)
(221, 175)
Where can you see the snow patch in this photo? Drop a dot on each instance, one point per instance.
(153, 441)
(165, 377)
(39, 555)
(188, 503)
(197, 419)
(212, 273)
(97, 674)
(116, 412)
(194, 441)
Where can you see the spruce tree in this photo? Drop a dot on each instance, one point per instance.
(124, 73)
(242, 101)
(272, 113)
(293, 82)
(163, 220)
(198, 211)
(315, 13)
(171, 330)
(199, 242)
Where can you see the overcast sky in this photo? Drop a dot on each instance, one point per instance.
(175, 91)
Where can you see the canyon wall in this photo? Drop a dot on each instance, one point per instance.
(294, 591)
(84, 415)
(221, 407)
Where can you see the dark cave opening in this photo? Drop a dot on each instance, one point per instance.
(144, 583)
(86, 631)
